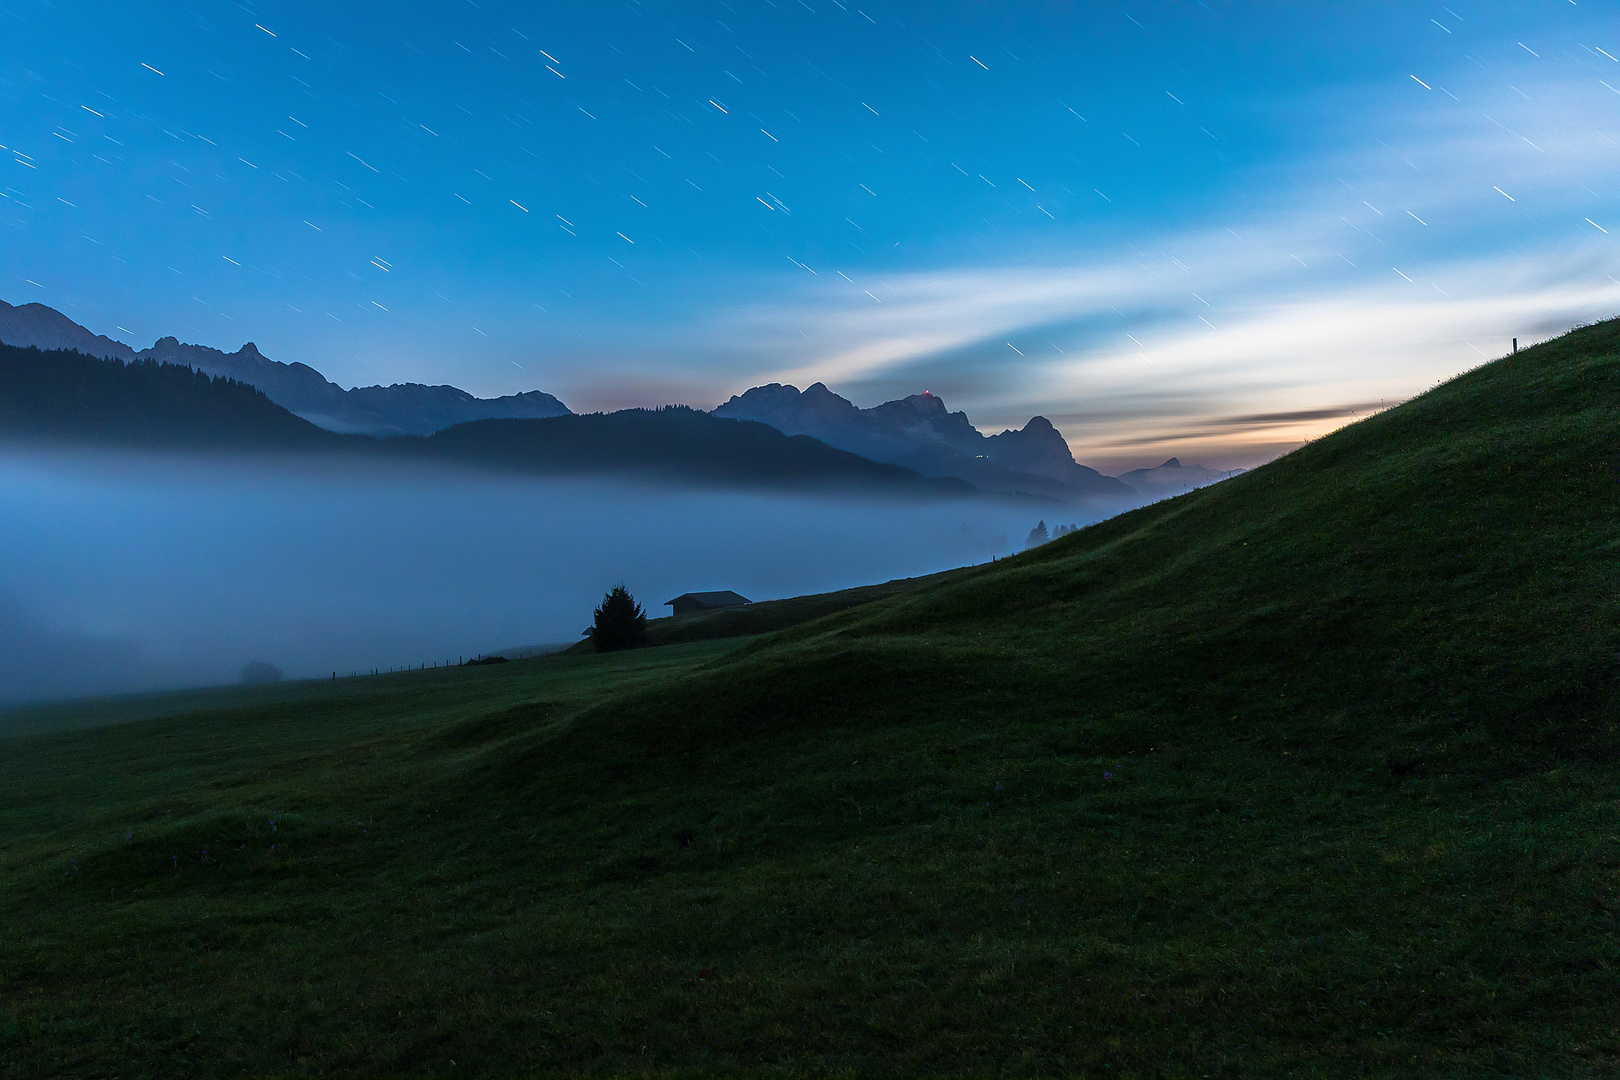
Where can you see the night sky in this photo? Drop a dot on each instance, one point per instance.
(1201, 229)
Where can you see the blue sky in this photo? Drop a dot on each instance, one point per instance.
(1202, 229)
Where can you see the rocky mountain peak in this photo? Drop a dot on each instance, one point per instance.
(818, 391)
(919, 431)
(926, 402)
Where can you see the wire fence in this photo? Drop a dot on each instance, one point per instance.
(500, 656)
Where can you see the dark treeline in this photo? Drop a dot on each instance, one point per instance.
(671, 443)
(67, 397)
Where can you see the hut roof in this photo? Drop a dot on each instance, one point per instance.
(724, 598)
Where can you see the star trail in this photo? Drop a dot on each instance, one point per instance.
(1141, 219)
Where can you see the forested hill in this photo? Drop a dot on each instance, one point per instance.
(62, 395)
(674, 443)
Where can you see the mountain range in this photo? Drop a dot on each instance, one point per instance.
(63, 397)
(917, 433)
(1173, 478)
(920, 433)
(400, 409)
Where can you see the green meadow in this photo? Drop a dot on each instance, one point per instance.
(1309, 773)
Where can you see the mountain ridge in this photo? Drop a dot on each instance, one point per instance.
(921, 432)
(62, 397)
(399, 409)
(917, 432)
(1173, 478)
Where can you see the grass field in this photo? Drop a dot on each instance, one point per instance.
(1311, 773)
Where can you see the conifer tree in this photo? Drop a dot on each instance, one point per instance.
(1037, 535)
(620, 622)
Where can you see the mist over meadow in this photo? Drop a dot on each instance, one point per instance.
(123, 571)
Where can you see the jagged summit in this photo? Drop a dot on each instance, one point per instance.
(921, 433)
(925, 415)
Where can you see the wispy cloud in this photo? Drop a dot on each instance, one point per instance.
(1421, 249)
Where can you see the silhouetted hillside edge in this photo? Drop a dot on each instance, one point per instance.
(1445, 567)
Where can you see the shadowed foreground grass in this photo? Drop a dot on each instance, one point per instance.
(1309, 773)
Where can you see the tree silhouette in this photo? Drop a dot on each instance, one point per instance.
(620, 622)
(1037, 536)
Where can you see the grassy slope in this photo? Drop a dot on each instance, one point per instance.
(1308, 772)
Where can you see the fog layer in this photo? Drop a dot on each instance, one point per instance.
(124, 572)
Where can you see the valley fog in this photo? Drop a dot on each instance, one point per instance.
(124, 572)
